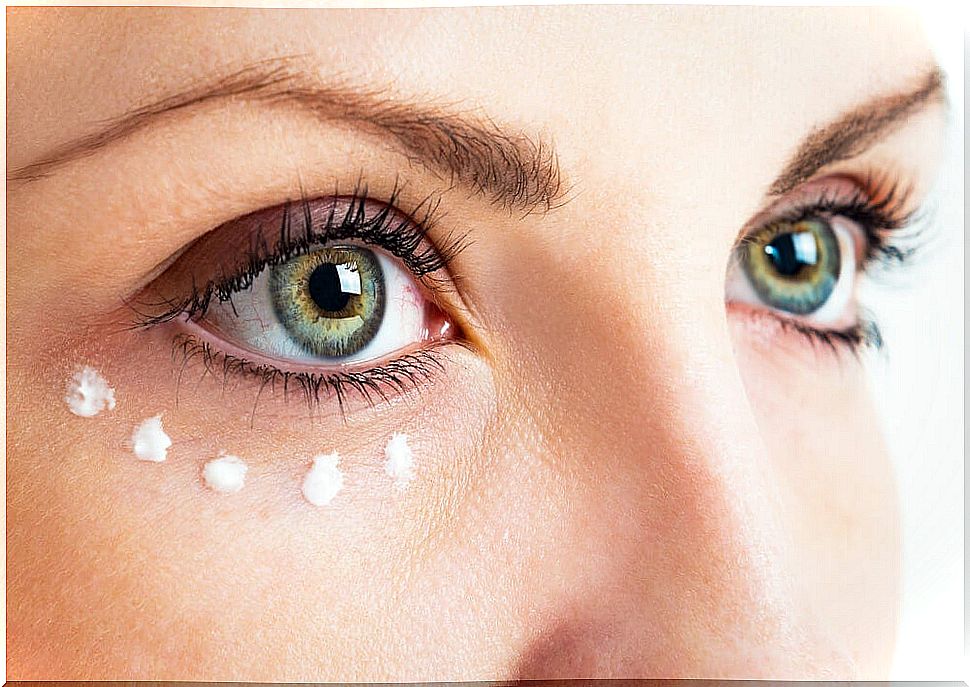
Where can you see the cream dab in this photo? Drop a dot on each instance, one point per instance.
(324, 480)
(400, 461)
(88, 393)
(225, 474)
(149, 440)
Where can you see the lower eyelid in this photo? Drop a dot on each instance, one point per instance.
(406, 372)
(768, 329)
(180, 329)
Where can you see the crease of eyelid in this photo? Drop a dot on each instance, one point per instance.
(511, 169)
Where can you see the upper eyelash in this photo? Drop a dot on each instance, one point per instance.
(880, 220)
(402, 236)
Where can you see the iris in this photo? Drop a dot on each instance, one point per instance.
(793, 266)
(330, 301)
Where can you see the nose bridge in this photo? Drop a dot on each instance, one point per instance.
(635, 352)
(630, 358)
(644, 407)
(692, 455)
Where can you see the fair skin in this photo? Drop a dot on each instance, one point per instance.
(617, 475)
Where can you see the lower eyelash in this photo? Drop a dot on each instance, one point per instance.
(865, 334)
(400, 375)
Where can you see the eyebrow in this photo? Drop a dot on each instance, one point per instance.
(856, 131)
(511, 169)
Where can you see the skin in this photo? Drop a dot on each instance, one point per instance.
(620, 476)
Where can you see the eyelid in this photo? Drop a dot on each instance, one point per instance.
(195, 332)
(886, 195)
(407, 371)
(214, 265)
(804, 196)
(218, 268)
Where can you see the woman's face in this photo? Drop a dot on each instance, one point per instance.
(643, 443)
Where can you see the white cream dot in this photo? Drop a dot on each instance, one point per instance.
(225, 474)
(323, 480)
(400, 460)
(88, 393)
(149, 441)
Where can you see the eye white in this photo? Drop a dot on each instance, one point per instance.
(250, 322)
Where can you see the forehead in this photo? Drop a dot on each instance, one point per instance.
(578, 72)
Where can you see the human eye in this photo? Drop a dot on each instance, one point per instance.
(801, 262)
(323, 296)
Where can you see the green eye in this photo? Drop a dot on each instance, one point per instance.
(330, 301)
(793, 266)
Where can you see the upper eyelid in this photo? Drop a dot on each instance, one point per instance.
(805, 198)
(279, 232)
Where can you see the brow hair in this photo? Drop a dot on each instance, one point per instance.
(511, 169)
(856, 131)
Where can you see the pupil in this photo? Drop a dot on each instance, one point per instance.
(326, 289)
(791, 252)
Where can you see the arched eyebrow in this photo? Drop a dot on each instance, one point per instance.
(511, 169)
(856, 131)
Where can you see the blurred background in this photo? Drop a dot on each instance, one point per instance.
(918, 382)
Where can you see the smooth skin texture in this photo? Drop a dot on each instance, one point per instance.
(620, 477)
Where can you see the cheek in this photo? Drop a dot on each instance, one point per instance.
(106, 540)
(836, 484)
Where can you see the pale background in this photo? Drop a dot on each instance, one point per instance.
(919, 385)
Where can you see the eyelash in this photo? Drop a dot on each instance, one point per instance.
(403, 374)
(877, 219)
(399, 235)
(883, 223)
(402, 237)
(407, 240)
